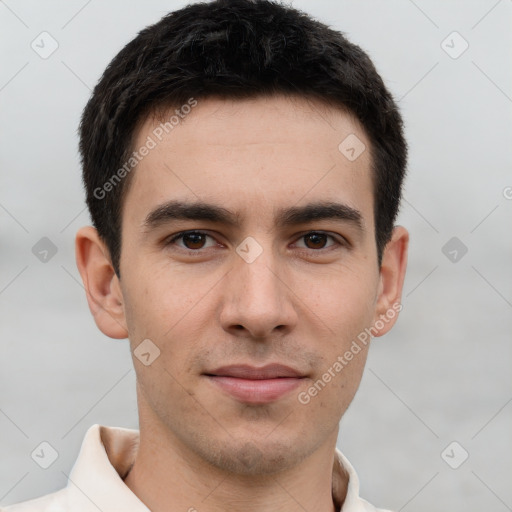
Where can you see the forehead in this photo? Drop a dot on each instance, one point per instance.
(252, 155)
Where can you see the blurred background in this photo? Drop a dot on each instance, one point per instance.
(430, 426)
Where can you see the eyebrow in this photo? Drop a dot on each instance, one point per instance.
(286, 217)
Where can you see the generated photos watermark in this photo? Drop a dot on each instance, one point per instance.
(151, 142)
(304, 397)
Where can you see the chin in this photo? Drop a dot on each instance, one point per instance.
(255, 459)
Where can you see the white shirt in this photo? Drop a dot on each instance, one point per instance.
(107, 453)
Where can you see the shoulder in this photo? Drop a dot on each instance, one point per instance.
(54, 502)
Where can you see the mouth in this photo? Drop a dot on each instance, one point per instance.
(256, 385)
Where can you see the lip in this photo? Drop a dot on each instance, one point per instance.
(256, 385)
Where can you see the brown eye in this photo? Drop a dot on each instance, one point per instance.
(315, 240)
(191, 240)
(318, 241)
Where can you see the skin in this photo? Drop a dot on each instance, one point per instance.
(301, 302)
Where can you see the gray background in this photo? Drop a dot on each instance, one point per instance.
(441, 375)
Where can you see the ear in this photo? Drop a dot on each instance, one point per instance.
(101, 283)
(392, 275)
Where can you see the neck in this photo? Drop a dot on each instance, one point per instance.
(166, 472)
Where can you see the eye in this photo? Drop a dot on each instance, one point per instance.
(317, 240)
(191, 240)
(197, 240)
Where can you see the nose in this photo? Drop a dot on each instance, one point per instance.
(258, 301)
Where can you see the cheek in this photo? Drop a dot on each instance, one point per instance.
(157, 304)
(344, 304)
(339, 378)
(346, 307)
(175, 318)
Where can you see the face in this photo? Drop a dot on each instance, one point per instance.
(249, 262)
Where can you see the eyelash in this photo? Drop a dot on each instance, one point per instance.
(178, 236)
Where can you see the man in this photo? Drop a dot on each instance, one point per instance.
(243, 165)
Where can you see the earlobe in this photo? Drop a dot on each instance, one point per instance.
(101, 284)
(392, 275)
